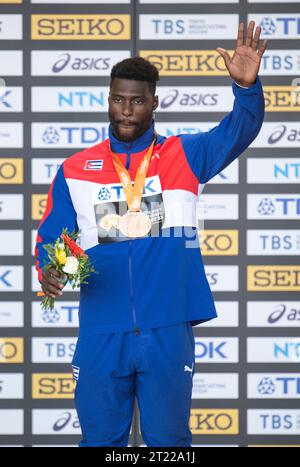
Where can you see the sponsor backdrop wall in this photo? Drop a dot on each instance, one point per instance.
(55, 61)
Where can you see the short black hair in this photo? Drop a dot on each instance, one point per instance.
(138, 69)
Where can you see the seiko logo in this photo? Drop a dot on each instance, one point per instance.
(88, 26)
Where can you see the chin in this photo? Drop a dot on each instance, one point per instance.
(126, 136)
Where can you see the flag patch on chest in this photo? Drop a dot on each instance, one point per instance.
(94, 165)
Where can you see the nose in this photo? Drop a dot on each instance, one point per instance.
(127, 109)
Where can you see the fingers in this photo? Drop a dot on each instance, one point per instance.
(250, 34)
(51, 290)
(225, 55)
(50, 283)
(240, 38)
(255, 43)
(262, 49)
(256, 38)
(53, 272)
(251, 41)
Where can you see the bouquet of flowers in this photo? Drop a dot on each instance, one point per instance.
(69, 259)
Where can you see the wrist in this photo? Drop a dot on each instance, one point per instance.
(244, 84)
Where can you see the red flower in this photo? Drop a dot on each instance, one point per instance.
(73, 247)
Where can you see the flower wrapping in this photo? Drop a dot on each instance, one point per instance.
(66, 256)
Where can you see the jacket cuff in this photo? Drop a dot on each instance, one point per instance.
(243, 87)
(256, 87)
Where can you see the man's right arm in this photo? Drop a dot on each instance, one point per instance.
(59, 214)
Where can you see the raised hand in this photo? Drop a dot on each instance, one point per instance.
(243, 67)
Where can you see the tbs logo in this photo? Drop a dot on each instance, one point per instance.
(277, 422)
(168, 26)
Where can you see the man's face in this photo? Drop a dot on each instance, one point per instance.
(130, 108)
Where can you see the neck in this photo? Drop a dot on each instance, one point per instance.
(138, 144)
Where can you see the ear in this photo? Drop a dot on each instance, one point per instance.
(155, 103)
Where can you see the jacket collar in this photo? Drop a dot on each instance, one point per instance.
(137, 145)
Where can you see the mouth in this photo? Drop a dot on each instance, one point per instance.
(126, 124)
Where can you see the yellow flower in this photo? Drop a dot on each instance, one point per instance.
(61, 256)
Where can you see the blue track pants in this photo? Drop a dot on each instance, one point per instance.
(156, 366)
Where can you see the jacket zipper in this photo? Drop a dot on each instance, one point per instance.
(136, 329)
(128, 158)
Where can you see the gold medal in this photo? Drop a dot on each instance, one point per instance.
(135, 224)
(110, 221)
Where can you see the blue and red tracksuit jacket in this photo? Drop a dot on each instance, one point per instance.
(158, 280)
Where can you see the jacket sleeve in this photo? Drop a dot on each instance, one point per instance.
(59, 214)
(210, 152)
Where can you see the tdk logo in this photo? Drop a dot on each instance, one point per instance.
(71, 135)
(211, 350)
(266, 386)
(266, 207)
(4, 100)
(50, 136)
(284, 206)
(51, 316)
(11, 277)
(104, 194)
(116, 192)
(4, 278)
(284, 25)
(216, 349)
(64, 312)
(268, 26)
(283, 385)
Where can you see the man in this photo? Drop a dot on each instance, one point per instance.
(136, 314)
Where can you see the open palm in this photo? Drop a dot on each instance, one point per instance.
(244, 66)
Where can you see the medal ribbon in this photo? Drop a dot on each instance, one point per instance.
(133, 193)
